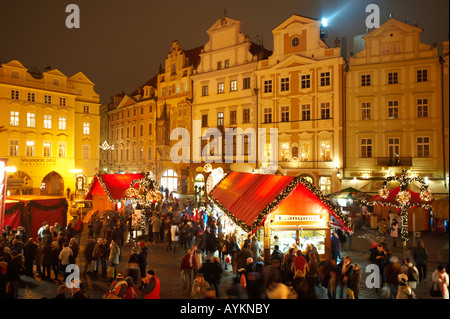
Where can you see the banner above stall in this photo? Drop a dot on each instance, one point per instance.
(249, 198)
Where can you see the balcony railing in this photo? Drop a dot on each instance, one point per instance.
(394, 161)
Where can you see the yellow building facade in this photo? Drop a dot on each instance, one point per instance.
(394, 110)
(300, 93)
(52, 128)
(225, 97)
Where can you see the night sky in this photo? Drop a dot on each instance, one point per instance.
(121, 43)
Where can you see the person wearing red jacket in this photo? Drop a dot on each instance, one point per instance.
(187, 267)
(151, 286)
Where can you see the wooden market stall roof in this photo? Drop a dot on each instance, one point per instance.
(113, 185)
(248, 198)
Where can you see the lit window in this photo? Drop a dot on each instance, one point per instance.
(366, 148)
(47, 149)
(62, 123)
(220, 88)
(14, 118)
(31, 120)
(47, 121)
(325, 151)
(325, 184)
(87, 128)
(30, 148)
(13, 148)
(61, 149)
(233, 85)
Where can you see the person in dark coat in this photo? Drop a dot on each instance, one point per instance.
(210, 241)
(142, 259)
(29, 253)
(13, 273)
(88, 255)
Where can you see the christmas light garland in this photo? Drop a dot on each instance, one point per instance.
(403, 198)
(277, 201)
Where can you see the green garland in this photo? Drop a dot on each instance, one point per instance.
(404, 181)
(277, 201)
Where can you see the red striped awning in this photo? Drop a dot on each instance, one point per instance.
(248, 198)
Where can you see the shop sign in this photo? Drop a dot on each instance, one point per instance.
(297, 218)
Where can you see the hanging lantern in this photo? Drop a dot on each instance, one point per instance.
(403, 197)
(425, 195)
(383, 192)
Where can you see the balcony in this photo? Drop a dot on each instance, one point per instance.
(394, 161)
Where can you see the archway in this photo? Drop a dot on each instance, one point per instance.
(169, 180)
(52, 184)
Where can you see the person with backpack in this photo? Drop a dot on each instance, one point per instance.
(411, 271)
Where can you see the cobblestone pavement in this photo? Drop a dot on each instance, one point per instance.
(166, 266)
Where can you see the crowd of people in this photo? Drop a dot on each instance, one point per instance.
(208, 255)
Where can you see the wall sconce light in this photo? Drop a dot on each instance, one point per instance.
(338, 174)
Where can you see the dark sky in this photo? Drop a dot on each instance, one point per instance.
(121, 43)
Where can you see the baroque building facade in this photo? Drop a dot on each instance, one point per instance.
(51, 130)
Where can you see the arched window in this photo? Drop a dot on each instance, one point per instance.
(169, 180)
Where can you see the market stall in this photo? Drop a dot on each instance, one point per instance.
(419, 216)
(106, 190)
(280, 210)
(440, 214)
(350, 200)
(36, 210)
(14, 214)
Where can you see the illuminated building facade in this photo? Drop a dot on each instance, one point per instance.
(52, 128)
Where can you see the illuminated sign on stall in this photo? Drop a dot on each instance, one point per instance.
(297, 218)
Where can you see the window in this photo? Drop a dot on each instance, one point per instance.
(150, 129)
(13, 148)
(14, 118)
(163, 91)
(31, 120)
(306, 112)
(141, 130)
(220, 88)
(423, 147)
(233, 85)
(393, 110)
(246, 83)
(204, 90)
(246, 116)
(268, 115)
(87, 128)
(227, 63)
(47, 121)
(30, 148)
(284, 84)
(366, 148)
(422, 75)
(295, 42)
(134, 131)
(233, 117)
(185, 86)
(325, 111)
(47, 99)
(47, 149)
(31, 97)
(422, 108)
(268, 86)
(86, 151)
(128, 132)
(141, 154)
(285, 114)
(205, 120)
(150, 108)
(86, 109)
(393, 78)
(61, 149)
(325, 151)
(394, 147)
(306, 152)
(62, 101)
(365, 80)
(306, 81)
(325, 184)
(220, 120)
(325, 79)
(366, 111)
(178, 88)
(14, 94)
(219, 65)
(169, 92)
